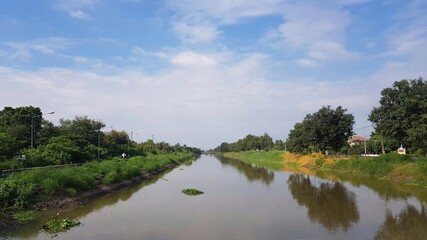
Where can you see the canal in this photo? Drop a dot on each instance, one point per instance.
(243, 201)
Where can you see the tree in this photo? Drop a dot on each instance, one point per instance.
(85, 133)
(324, 130)
(81, 130)
(116, 142)
(223, 147)
(248, 143)
(402, 114)
(59, 150)
(8, 146)
(16, 122)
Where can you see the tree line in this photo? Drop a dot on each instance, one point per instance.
(251, 143)
(399, 120)
(28, 140)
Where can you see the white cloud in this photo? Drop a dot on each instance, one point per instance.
(329, 50)
(307, 63)
(191, 59)
(226, 11)
(79, 14)
(201, 32)
(219, 96)
(318, 31)
(139, 51)
(23, 50)
(67, 5)
(409, 33)
(75, 8)
(21, 55)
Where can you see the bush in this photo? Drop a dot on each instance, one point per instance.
(20, 191)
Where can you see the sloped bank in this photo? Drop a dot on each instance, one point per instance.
(72, 187)
(404, 169)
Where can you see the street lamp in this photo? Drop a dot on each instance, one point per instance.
(32, 126)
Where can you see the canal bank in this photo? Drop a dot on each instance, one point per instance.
(405, 169)
(244, 201)
(65, 189)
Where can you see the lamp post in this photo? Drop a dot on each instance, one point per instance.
(32, 126)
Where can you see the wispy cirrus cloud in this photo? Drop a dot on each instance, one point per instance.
(79, 14)
(195, 32)
(315, 30)
(67, 5)
(227, 12)
(75, 8)
(23, 51)
(219, 96)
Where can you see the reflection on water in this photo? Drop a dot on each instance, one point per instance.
(31, 230)
(251, 172)
(409, 224)
(236, 206)
(329, 204)
(387, 190)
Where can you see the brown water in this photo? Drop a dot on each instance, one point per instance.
(242, 201)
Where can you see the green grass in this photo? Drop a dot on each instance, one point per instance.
(25, 216)
(191, 192)
(373, 166)
(56, 225)
(22, 190)
(270, 159)
(401, 168)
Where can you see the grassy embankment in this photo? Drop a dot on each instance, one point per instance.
(271, 159)
(24, 190)
(401, 168)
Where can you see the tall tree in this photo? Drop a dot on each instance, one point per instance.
(84, 133)
(82, 130)
(16, 122)
(402, 114)
(326, 129)
(116, 142)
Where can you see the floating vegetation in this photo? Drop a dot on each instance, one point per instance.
(25, 216)
(56, 225)
(191, 192)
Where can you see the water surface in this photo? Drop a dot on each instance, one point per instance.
(243, 201)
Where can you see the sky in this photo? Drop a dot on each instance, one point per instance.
(204, 72)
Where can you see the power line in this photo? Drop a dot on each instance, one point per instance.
(367, 126)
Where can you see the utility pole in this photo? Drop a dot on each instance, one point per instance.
(32, 126)
(99, 142)
(365, 146)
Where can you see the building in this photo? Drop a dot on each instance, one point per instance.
(356, 140)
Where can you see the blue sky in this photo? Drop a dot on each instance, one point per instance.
(203, 72)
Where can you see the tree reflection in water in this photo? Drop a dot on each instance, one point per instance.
(409, 224)
(329, 204)
(251, 172)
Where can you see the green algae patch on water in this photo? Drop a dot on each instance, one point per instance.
(57, 225)
(191, 192)
(25, 216)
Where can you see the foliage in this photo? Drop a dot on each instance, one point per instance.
(116, 142)
(248, 143)
(56, 225)
(59, 150)
(8, 146)
(22, 190)
(16, 122)
(402, 114)
(25, 216)
(325, 130)
(191, 192)
(271, 159)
